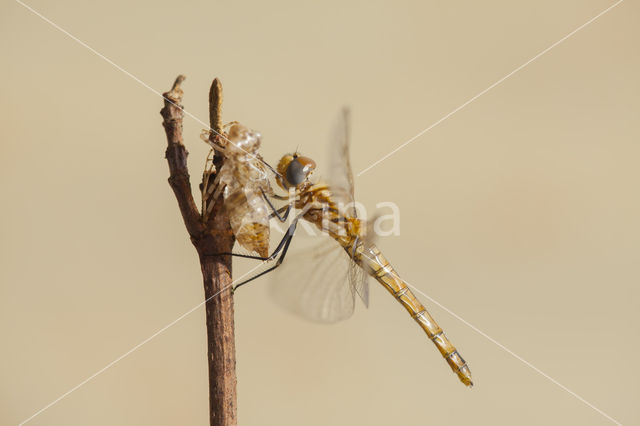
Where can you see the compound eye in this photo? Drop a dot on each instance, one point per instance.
(299, 170)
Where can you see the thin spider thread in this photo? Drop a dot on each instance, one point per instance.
(398, 148)
(135, 348)
(503, 347)
(118, 67)
(361, 172)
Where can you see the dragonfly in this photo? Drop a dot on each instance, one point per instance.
(330, 207)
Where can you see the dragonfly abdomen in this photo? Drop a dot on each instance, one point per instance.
(383, 272)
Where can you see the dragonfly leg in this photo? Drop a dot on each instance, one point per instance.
(280, 197)
(276, 212)
(287, 240)
(283, 244)
(248, 256)
(280, 211)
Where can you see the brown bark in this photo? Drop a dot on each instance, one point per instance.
(215, 236)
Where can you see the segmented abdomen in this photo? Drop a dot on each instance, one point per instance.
(379, 268)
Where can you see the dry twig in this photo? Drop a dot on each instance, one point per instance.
(214, 236)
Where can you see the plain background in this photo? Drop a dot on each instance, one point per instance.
(519, 213)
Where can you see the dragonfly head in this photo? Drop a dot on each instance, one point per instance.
(295, 170)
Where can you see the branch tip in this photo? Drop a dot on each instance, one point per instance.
(176, 155)
(178, 81)
(215, 106)
(174, 95)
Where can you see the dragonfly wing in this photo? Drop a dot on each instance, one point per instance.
(313, 281)
(340, 181)
(339, 175)
(359, 281)
(358, 277)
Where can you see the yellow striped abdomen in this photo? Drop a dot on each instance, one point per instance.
(383, 272)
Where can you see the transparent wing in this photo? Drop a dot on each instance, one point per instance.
(359, 281)
(339, 176)
(313, 281)
(340, 180)
(358, 277)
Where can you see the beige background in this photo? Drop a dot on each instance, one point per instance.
(519, 213)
